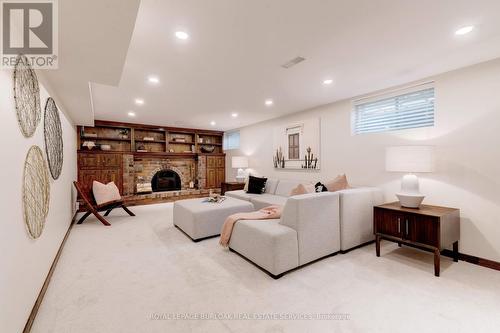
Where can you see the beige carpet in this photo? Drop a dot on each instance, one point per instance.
(113, 279)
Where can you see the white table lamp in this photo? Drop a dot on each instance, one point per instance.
(240, 163)
(410, 159)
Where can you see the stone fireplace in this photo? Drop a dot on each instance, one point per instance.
(163, 173)
(166, 180)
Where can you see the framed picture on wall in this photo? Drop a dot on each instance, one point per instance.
(296, 145)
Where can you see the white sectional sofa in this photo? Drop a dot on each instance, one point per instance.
(307, 230)
(353, 228)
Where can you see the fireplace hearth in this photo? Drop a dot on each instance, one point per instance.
(166, 180)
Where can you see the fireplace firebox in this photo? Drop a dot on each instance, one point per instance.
(166, 180)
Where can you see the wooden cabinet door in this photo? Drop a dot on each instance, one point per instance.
(422, 229)
(88, 160)
(211, 161)
(110, 160)
(221, 162)
(220, 177)
(388, 222)
(211, 178)
(86, 178)
(111, 175)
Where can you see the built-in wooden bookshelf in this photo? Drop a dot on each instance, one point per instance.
(144, 139)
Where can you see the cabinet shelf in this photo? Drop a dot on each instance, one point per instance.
(100, 138)
(150, 141)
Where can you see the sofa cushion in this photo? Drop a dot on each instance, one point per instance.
(265, 200)
(303, 189)
(241, 194)
(267, 243)
(356, 215)
(285, 187)
(256, 185)
(315, 218)
(271, 185)
(337, 184)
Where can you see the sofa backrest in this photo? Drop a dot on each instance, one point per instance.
(271, 185)
(285, 187)
(315, 218)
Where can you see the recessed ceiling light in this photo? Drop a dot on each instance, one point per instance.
(269, 102)
(464, 30)
(328, 81)
(212, 123)
(234, 115)
(181, 35)
(131, 114)
(153, 79)
(139, 101)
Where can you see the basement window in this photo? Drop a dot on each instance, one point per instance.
(232, 140)
(404, 109)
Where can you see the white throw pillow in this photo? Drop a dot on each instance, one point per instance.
(105, 193)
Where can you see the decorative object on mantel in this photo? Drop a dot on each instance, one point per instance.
(207, 149)
(410, 159)
(279, 159)
(53, 138)
(240, 163)
(141, 149)
(89, 144)
(36, 191)
(310, 161)
(297, 145)
(26, 96)
(123, 133)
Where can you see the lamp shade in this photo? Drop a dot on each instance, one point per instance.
(409, 159)
(239, 162)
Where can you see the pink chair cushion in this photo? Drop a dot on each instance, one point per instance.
(105, 193)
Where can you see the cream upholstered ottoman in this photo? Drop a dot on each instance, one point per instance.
(199, 219)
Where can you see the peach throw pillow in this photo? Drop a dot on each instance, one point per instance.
(339, 183)
(105, 193)
(302, 189)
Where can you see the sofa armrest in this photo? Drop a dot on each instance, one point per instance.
(315, 218)
(356, 215)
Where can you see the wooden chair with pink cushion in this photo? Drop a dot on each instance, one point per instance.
(92, 207)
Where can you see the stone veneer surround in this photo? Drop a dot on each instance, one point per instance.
(147, 167)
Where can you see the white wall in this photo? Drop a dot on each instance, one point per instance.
(24, 263)
(467, 140)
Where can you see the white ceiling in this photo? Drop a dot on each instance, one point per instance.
(94, 36)
(231, 62)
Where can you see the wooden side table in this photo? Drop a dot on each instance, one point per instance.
(428, 227)
(231, 186)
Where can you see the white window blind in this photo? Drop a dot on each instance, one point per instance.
(397, 112)
(232, 140)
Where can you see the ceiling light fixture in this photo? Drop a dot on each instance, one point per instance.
(181, 35)
(212, 123)
(234, 115)
(269, 102)
(464, 30)
(153, 79)
(131, 114)
(328, 81)
(139, 101)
